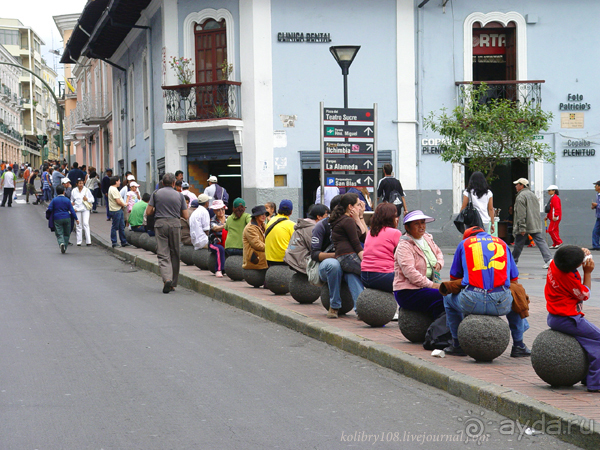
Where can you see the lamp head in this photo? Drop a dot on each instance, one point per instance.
(344, 55)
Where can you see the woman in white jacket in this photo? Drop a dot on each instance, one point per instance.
(79, 195)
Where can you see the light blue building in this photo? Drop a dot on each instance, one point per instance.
(261, 67)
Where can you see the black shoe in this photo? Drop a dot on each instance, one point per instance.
(595, 249)
(108, 220)
(63, 248)
(520, 352)
(454, 351)
(167, 287)
(126, 244)
(593, 390)
(115, 245)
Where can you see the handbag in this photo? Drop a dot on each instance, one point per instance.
(87, 205)
(468, 217)
(547, 208)
(312, 271)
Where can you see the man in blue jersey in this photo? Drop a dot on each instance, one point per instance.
(486, 267)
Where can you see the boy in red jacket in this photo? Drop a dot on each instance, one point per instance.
(565, 294)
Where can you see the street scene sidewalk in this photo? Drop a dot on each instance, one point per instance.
(504, 377)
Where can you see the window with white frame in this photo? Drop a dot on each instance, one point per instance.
(145, 95)
(131, 106)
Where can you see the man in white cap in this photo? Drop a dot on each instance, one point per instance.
(216, 192)
(200, 223)
(66, 182)
(527, 220)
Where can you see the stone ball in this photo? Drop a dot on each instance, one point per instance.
(255, 277)
(128, 233)
(376, 308)
(233, 267)
(143, 240)
(186, 253)
(212, 262)
(151, 244)
(277, 279)
(302, 291)
(200, 258)
(483, 338)
(414, 324)
(347, 301)
(558, 358)
(134, 238)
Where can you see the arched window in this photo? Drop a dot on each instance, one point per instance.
(210, 50)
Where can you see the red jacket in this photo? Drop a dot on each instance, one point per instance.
(555, 208)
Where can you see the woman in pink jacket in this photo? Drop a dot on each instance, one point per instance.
(417, 263)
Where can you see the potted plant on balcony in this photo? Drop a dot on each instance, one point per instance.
(223, 89)
(184, 73)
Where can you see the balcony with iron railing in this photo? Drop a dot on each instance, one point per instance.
(9, 131)
(521, 92)
(95, 109)
(203, 101)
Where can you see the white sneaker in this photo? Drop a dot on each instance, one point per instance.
(547, 264)
(395, 319)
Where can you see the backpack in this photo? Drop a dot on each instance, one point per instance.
(396, 200)
(438, 334)
(224, 195)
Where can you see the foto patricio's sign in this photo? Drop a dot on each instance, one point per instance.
(578, 147)
(574, 103)
(303, 37)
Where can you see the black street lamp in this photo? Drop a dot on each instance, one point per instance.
(344, 55)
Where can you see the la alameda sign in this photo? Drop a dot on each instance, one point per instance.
(348, 147)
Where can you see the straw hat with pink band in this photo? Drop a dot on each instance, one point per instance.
(217, 204)
(417, 214)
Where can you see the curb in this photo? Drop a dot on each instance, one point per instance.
(532, 413)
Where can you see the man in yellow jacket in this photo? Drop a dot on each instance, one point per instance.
(278, 233)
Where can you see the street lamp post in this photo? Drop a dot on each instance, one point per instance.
(344, 55)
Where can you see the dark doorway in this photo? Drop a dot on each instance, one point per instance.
(310, 183)
(228, 173)
(502, 186)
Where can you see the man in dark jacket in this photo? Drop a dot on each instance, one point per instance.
(104, 186)
(75, 174)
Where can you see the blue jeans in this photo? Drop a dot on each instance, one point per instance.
(378, 280)
(331, 272)
(488, 304)
(596, 234)
(427, 300)
(234, 252)
(118, 224)
(47, 194)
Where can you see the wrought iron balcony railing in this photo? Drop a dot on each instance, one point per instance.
(203, 101)
(525, 92)
(10, 131)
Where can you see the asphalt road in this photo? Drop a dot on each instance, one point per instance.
(94, 356)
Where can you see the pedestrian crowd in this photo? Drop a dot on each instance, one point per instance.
(333, 245)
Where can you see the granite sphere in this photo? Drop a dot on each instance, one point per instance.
(186, 254)
(233, 267)
(143, 241)
(302, 291)
(347, 301)
(558, 358)
(277, 279)
(414, 324)
(200, 258)
(255, 277)
(376, 308)
(134, 238)
(483, 338)
(212, 262)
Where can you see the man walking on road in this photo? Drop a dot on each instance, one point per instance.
(168, 206)
(115, 206)
(528, 220)
(105, 186)
(390, 190)
(8, 182)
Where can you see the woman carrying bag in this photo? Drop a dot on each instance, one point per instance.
(479, 194)
(81, 199)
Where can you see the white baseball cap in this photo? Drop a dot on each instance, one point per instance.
(65, 180)
(552, 187)
(130, 177)
(134, 184)
(212, 179)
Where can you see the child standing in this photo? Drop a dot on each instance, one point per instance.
(565, 293)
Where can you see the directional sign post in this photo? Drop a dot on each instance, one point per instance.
(348, 147)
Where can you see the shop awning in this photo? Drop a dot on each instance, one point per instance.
(102, 28)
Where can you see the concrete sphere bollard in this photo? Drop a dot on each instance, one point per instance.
(143, 240)
(134, 238)
(414, 324)
(186, 253)
(277, 279)
(128, 233)
(347, 301)
(483, 338)
(212, 262)
(150, 244)
(255, 277)
(558, 358)
(376, 308)
(302, 291)
(233, 267)
(200, 258)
